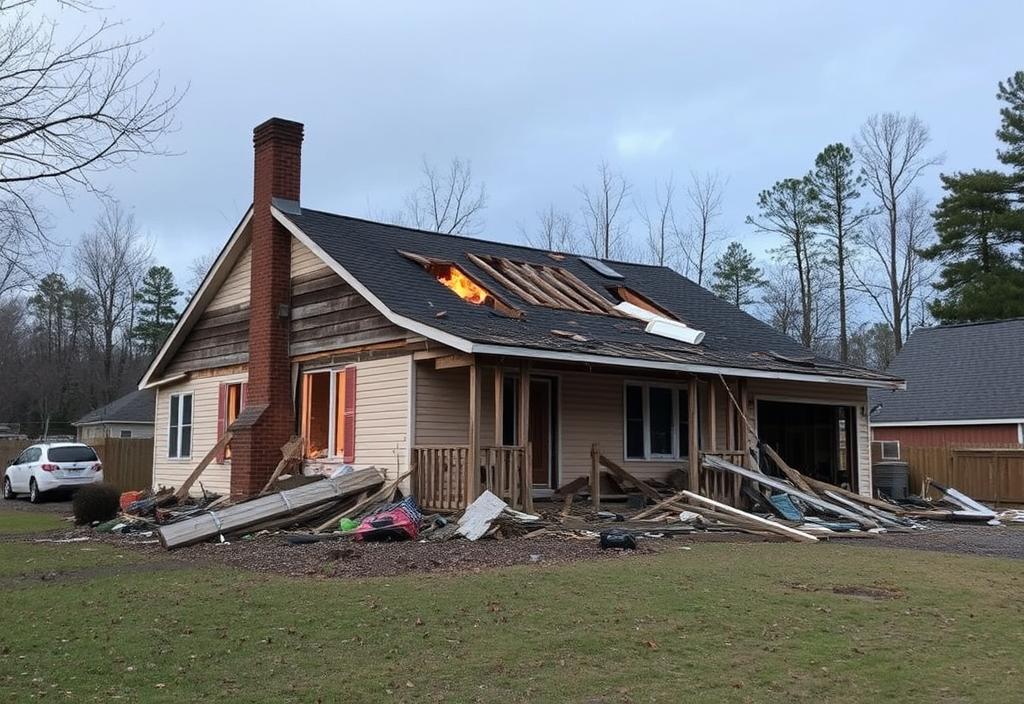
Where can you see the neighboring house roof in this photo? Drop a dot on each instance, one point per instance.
(135, 407)
(368, 255)
(968, 372)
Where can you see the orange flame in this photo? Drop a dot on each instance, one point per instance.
(464, 287)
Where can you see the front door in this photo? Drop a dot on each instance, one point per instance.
(544, 431)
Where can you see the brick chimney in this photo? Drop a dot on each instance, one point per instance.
(269, 420)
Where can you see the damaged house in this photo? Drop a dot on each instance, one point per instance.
(478, 364)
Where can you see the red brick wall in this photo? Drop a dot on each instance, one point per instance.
(943, 435)
(257, 450)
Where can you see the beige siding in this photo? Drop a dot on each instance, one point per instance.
(591, 410)
(205, 394)
(442, 405)
(382, 414)
(810, 392)
(304, 261)
(235, 289)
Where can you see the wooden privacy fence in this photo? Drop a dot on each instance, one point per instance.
(127, 462)
(993, 474)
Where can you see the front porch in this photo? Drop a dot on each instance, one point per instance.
(532, 428)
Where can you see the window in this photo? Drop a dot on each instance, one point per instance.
(327, 417)
(71, 453)
(888, 449)
(656, 422)
(126, 434)
(179, 429)
(230, 404)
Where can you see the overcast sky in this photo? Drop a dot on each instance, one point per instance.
(536, 94)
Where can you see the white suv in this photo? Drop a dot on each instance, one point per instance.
(50, 466)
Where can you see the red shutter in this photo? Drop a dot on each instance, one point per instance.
(350, 415)
(222, 417)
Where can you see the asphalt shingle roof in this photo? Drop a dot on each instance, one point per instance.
(973, 371)
(135, 407)
(370, 252)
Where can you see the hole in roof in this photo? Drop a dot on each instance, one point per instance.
(452, 277)
(627, 295)
(601, 268)
(544, 285)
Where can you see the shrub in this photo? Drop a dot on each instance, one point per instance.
(96, 502)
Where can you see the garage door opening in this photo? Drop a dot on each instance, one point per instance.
(816, 439)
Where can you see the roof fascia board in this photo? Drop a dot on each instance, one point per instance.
(680, 367)
(113, 420)
(968, 421)
(199, 301)
(464, 345)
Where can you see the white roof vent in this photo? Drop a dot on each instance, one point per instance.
(662, 326)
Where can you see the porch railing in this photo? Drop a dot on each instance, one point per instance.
(722, 486)
(441, 475)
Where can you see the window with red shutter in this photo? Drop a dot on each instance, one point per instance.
(350, 415)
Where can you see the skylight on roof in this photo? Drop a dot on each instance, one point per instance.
(601, 268)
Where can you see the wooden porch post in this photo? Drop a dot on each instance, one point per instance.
(712, 446)
(694, 427)
(473, 461)
(595, 476)
(526, 480)
(499, 406)
(744, 443)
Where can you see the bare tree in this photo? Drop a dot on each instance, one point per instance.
(605, 226)
(71, 107)
(555, 231)
(705, 207)
(891, 148)
(789, 209)
(661, 225)
(447, 201)
(111, 261)
(780, 300)
(197, 270)
(913, 274)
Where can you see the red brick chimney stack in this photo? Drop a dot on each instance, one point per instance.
(256, 449)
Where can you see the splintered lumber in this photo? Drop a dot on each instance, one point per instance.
(572, 488)
(183, 490)
(809, 499)
(791, 474)
(822, 487)
(864, 510)
(385, 491)
(622, 475)
(791, 533)
(290, 452)
(658, 506)
(266, 508)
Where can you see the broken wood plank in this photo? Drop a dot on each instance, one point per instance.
(265, 508)
(779, 485)
(822, 487)
(290, 452)
(617, 471)
(791, 474)
(792, 533)
(658, 506)
(378, 496)
(217, 448)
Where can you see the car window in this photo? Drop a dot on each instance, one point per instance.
(23, 457)
(72, 453)
(30, 455)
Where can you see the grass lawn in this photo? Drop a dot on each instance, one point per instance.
(14, 522)
(718, 623)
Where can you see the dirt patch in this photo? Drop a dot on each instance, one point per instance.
(1006, 540)
(866, 592)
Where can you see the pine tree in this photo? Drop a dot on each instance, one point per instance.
(157, 312)
(736, 277)
(838, 185)
(980, 224)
